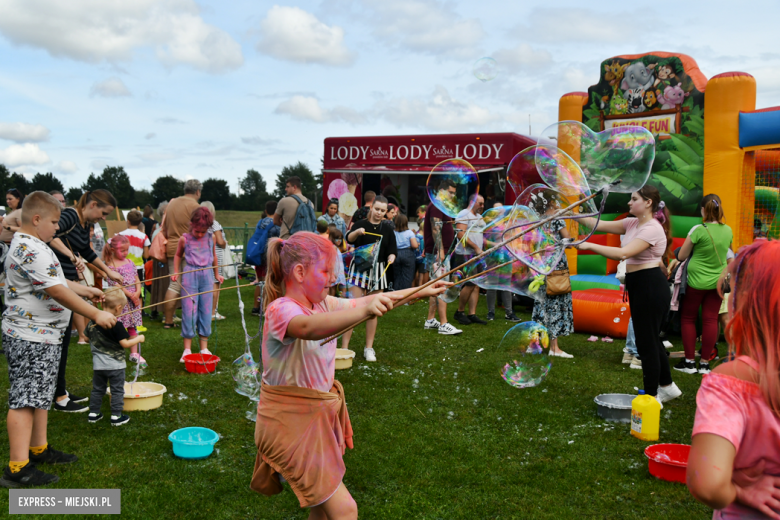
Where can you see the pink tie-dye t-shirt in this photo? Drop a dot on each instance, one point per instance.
(289, 361)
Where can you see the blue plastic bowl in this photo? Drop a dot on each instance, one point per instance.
(193, 442)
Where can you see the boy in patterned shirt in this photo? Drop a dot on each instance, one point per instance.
(39, 301)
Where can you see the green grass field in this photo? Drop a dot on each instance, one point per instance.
(438, 434)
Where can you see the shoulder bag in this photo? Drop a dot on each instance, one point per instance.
(558, 283)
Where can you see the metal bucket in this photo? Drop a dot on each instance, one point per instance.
(615, 407)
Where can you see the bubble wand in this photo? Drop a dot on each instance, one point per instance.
(180, 272)
(188, 296)
(537, 225)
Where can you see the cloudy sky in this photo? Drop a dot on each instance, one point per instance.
(211, 89)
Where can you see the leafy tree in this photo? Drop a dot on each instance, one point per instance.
(115, 180)
(254, 193)
(142, 198)
(309, 185)
(46, 182)
(218, 192)
(74, 194)
(4, 178)
(18, 181)
(166, 187)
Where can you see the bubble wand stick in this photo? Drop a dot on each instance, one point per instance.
(537, 225)
(188, 296)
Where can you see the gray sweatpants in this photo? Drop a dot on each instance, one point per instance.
(506, 300)
(100, 380)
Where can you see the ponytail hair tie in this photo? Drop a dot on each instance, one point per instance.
(661, 205)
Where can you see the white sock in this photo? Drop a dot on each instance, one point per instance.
(64, 402)
(690, 360)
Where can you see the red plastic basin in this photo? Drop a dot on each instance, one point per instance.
(668, 461)
(200, 363)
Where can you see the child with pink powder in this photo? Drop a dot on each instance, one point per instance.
(115, 257)
(303, 426)
(734, 464)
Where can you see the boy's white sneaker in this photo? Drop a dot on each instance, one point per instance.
(668, 393)
(432, 324)
(448, 329)
(186, 352)
(369, 354)
(205, 351)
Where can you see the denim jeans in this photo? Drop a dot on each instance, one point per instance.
(631, 339)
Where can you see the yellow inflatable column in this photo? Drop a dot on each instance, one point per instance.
(726, 95)
(570, 109)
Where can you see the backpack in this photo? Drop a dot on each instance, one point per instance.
(305, 220)
(255, 249)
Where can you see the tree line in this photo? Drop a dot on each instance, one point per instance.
(253, 189)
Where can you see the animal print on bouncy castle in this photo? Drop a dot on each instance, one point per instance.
(672, 97)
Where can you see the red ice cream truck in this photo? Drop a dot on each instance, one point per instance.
(398, 166)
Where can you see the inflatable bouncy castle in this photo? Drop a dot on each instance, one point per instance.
(709, 139)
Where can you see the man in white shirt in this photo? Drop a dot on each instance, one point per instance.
(469, 226)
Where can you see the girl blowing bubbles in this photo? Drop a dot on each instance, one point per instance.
(734, 464)
(198, 250)
(115, 257)
(303, 427)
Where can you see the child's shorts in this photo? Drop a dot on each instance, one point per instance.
(32, 372)
(724, 305)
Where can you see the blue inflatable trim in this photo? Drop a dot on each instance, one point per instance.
(595, 278)
(759, 128)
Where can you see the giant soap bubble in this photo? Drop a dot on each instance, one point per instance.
(246, 373)
(485, 69)
(527, 343)
(623, 153)
(452, 186)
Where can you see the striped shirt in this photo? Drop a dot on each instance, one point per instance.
(72, 232)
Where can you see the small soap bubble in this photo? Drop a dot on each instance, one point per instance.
(529, 342)
(485, 69)
(452, 186)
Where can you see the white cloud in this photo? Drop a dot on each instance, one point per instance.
(98, 164)
(438, 112)
(307, 108)
(23, 132)
(170, 121)
(110, 88)
(259, 141)
(67, 167)
(584, 25)
(425, 26)
(292, 34)
(96, 30)
(23, 155)
(150, 135)
(522, 57)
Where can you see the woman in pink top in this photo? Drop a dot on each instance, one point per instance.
(734, 464)
(647, 240)
(298, 372)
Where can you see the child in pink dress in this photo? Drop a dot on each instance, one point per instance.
(734, 464)
(115, 257)
(303, 427)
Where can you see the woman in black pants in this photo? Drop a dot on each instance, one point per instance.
(646, 243)
(72, 245)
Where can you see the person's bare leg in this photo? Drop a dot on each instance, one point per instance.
(442, 307)
(463, 298)
(431, 307)
(554, 346)
(204, 342)
(169, 306)
(354, 292)
(341, 506)
(20, 427)
(40, 423)
(256, 304)
(81, 323)
(473, 300)
(216, 300)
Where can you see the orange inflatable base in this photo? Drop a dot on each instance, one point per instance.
(601, 311)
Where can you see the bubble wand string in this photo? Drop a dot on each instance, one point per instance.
(537, 225)
(182, 297)
(180, 272)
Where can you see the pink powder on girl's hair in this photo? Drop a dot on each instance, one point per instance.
(201, 220)
(303, 248)
(112, 244)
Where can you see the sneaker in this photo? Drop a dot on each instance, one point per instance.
(474, 319)
(52, 456)
(658, 398)
(136, 358)
(119, 420)
(668, 344)
(668, 393)
(141, 328)
(71, 407)
(369, 354)
(704, 367)
(217, 316)
(561, 353)
(512, 317)
(256, 311)
(433, 323)
(628, 357)
(636, 363)
(491, 316)
(186, 352)
(94, 417)
(206, 352)
(461, 318)
(449, 329)
(176, 319)
(75, 398)
(689, 367)
(29, 476)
